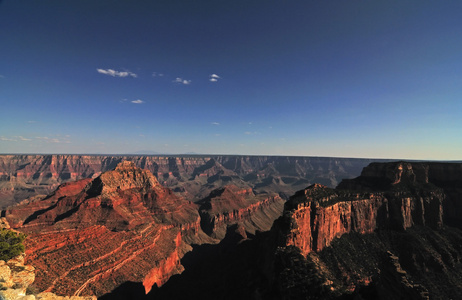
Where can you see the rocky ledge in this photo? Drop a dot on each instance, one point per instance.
(16, 283)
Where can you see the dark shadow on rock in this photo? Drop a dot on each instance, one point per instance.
(229, 270)
(127, 290)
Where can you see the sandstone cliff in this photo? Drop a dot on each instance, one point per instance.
(90, 236)
(334, 241)
(318, 215)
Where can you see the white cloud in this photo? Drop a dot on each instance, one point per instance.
(115, 73)
(14, 139)
(23, 138)
(137, 101)
(54, 140)
(214, 77)
(155, 74)
(215, 123)
(182, 81)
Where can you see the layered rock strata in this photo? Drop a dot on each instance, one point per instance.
(193, 177)
(230, 205)
(318, 215)
(333, 241)
(92, 235)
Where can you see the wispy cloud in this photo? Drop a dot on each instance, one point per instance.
(214, 77)
(215, 123)
(115, 73)
(1, 76)
(31, 121)
(156, 74)
(137, 101)
(182, 81)
(251, 132)
(14, 139)
(54, 140)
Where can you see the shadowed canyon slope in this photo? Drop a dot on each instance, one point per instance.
(379, 236)
(91, 235)
(193, 177)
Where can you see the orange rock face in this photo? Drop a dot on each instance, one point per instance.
(92, 235)
(318, 215)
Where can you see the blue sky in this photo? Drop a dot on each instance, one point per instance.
(378, 79)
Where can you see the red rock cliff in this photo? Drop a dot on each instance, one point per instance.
(317, 215)
(92, 235)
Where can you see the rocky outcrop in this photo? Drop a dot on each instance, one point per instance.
(447, 176)
(342, 236)
(92, 235)
(231, 205)
(16, 281)
(193, 177)
(15, 277)
(313, 218)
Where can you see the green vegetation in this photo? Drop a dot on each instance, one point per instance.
(11, 244)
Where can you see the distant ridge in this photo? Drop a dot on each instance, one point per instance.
(191, 176)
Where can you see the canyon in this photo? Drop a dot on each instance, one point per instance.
(92, 235)
(393, 230)
(382, 235)
(191, 177)
(122, 225)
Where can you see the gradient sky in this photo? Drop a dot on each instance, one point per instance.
(375, 79)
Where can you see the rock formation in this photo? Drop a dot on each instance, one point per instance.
(378, 236)
(319, 214)
(91, 235)
(338, 239)
(230, 205)
(192, 177)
